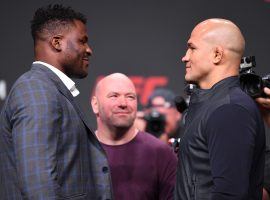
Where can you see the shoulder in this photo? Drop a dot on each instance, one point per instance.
(236, 103)
(34, 78)
(34, 81)
(239, 98)
(153, 143)
(33, 89)
(150, 140)
(235, 119)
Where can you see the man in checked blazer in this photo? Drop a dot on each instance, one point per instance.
(47, 150)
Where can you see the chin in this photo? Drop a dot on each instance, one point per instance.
(79, 75)
(122, 124)
(83, 75)
(189, 79)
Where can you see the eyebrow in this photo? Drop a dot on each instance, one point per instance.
(129, 93)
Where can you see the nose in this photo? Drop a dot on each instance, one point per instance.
(186, 57)
(122, 102)
(88, 50)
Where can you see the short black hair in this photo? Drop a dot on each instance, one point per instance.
(53, 17)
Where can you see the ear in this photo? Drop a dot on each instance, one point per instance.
(56, 42)
(218, 54)
(94, 104)
(178, 115)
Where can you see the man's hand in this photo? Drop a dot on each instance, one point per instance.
(264, 103)
(265, 195)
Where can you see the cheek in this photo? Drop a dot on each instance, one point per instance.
(103, 110)
(109, 107)
(133, 105)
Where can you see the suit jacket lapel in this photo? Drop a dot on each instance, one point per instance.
(62, 89)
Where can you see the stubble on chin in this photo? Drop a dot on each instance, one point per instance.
(126, 122)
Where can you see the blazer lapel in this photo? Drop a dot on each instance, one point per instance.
(63, 90)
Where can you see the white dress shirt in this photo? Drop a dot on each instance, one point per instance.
(64, 78)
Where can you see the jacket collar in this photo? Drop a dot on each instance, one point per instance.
(64, 78)
(200, 95)
(62, 89)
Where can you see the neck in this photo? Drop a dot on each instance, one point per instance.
(115, 135)
(42, 54)
(218, 76)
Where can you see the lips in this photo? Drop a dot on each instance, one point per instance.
(121, 113)
(86, 61)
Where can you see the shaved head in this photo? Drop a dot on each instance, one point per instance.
(113, 80)
(115, 102)
(222, 32)
(215, 49)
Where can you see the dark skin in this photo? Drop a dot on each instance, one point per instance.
(68, 50)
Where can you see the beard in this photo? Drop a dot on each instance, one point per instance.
(123, 122)
(117, 117)
(76, 70)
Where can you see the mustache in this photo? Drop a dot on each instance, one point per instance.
(86, 57)
(122, 111)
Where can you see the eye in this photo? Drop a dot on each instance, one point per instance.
(131, 97)
(191, 48)
(82, 41)
(113, 96)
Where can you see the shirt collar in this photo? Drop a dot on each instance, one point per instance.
(64, 78)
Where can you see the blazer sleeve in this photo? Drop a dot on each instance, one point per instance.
(36, 122)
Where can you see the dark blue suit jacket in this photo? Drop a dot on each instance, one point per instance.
(47, 150)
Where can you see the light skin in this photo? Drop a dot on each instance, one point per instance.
(215, 48)
(66, 49)
(264, 103)
(115, 106)
(265, 195)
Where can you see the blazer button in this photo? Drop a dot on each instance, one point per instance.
(105, 169)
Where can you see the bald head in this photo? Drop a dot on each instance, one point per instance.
(114, 80)
(115, 102)
(222, 32)
(215, 49)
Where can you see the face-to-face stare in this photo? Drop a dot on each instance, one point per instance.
(75, 51)
(198, 58)
(116, 102)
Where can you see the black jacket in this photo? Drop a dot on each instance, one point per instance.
(222, 151)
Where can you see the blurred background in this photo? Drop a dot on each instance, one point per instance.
(143, 39)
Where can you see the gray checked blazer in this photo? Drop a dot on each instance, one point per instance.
(47, 150)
